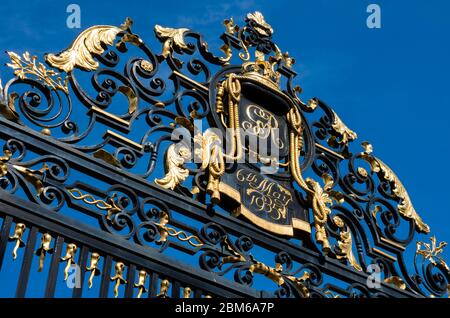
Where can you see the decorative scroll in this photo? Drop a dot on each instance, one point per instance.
(119, 115)
(89, 42)
(385, 173)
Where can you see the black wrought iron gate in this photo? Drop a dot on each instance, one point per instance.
(99, 192)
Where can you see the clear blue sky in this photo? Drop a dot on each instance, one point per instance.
(390, 85)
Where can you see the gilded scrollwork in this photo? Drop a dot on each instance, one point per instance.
(89, 42)
(160, 102)
(176, 156)
(405, 206)
(173, 39)
(346, 135)
(345, 244)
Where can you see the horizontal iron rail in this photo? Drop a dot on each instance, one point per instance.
(110, 244)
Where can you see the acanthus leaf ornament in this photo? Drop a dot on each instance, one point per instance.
(346, 135)
(173, 39)
(405, 206)
(344, 247)
(176, 156)
(89, 42)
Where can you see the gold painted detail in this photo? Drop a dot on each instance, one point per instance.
(396, 281)
(211, 155)
(118, 277)
(344, 247)
(146, 65)
(274, 274)
(27, 65)
(107, 157)
(405, 206)
(176, 156)
(122, 139)
(318, 198)
(259, 19)
(19, 230)
(330, 294)
(71, 249)
(91, 41)
(265, 195)
(7, 109)
(109, 205)
(345, 134)
(432, 252)
(45, 248)
(229, 92)
(163, 289)
(165, 231)
(261, 124)
(93, 268)
(32, 176)
(187, 292)
(173, 39)
(140, 285)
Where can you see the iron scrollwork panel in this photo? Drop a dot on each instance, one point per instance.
(343, 204)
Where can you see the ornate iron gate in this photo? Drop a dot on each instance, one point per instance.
(111, 171)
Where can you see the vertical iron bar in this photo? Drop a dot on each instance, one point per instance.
(4, 238)
(104, 285)
(54, 268)
(198, 293)
(77, 292)
(130, 281)
(175, 289)
(153, 286)
(26, 263)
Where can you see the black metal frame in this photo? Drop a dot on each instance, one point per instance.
(25, 132)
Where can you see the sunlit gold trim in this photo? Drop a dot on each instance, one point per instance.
(113, 117)
(274, 228)
(392, 258)
(19, 230)
(389, 242)
(230, 191)
(193, 82)
(329, 151)
(301, 225)
(118, 277)
(44, 248)
(125, 140)
(88, 43)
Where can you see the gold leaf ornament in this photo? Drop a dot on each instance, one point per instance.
(89, 42)
(176, 156)
(173, 39)
(405, 206)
